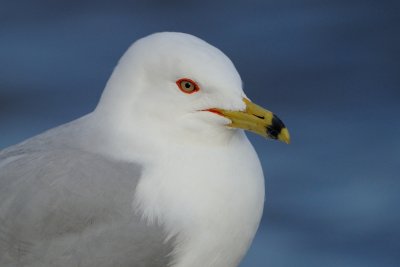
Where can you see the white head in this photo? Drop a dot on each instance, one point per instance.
(147, 88)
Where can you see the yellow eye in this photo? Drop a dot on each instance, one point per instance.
(187, 86)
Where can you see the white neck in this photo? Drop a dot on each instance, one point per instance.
(208, 195)
(211, 199)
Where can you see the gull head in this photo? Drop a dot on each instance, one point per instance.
(176, 84)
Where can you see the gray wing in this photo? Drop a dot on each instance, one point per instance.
(65, 207)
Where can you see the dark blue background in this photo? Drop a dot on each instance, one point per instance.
(329, 69)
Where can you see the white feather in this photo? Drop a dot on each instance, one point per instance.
(202, 181)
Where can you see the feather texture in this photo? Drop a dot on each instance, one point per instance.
(61, 206)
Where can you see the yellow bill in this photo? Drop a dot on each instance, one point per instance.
(257, 120)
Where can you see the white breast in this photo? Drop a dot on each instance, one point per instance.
(209, 198)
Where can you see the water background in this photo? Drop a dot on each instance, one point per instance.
(329, 69)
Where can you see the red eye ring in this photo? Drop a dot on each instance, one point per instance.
(187, 86)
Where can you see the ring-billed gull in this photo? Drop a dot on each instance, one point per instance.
(159, 174)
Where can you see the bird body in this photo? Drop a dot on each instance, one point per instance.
(63, 205)
(150, 177)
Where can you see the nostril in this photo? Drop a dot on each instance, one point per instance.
(260, 117)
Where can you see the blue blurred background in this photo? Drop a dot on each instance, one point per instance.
(329, 69)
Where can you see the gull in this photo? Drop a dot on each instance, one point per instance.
(161, 173)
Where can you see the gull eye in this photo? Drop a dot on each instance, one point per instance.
(187, 86)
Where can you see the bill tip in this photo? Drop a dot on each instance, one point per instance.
(284, 136)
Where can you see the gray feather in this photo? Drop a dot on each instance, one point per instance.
(61, 206)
